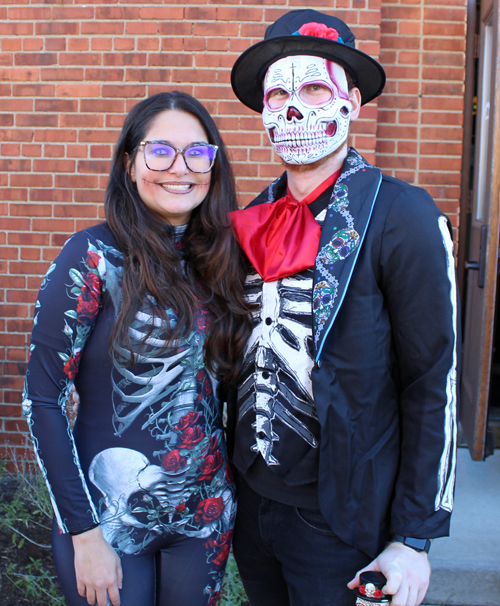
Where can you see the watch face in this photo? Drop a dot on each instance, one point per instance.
(416, 544)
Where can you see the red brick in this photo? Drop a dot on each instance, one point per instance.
(76, 181)
(239, 14)
(104, 106)
(98, 136)
(32, 150)
(28, 254)
(160, 13)
(55, 105)
(194, 75)
(78, 44)
(6, 59)
(106, 75)
(8, 252)
(16, 29)
(102, 44)
(56, 166)
(176, 29)
(43, 120)
(78, 90)
(11, 74)
(11, 44)
(122, 44)
(55, 135)
(55, 44)
(80, 59)
(34, 90)
(6, 120)
(73, 13)
(31, 180)
(444, 44)
(62, 73)
(33, 44)
(57, 28)
(77, 211)
(201, 13)
(35, 58)
(147, 75)
(27, 240)
(124, 91)
(436, 29)
(102, 27)
(215, 29)
(30, 13)
(10, 165)
(146, 44)
(77, 151)
(81, 120)
(93, 166)
(12, 194)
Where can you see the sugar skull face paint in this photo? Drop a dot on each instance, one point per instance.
(306, 108)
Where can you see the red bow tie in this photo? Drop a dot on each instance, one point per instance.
(280, 238)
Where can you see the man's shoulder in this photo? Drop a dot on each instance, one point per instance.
(396, 196)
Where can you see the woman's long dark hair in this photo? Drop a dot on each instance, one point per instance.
(151, 263)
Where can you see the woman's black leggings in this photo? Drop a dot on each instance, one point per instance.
(172, 571)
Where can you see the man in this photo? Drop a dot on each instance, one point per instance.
(345, 426)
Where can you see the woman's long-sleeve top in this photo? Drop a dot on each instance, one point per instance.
(146, 455)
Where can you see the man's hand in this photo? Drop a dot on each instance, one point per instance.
(407, 571)
(98, 569)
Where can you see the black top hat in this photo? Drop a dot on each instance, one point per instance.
(305, 32)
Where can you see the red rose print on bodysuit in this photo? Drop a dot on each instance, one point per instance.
(214, 600)
(222, 546)
(94, 282)
(209, 510)
(87, 306)
(172, 461)
(71, 366)
(180, 508)
(187, 420)
(319, 30)
(190, 437)
(209, 466)
(92, 259)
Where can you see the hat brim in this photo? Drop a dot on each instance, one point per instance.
(250, 68)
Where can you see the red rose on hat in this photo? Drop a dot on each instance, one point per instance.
(319, 30)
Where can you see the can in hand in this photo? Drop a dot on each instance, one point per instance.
(369, 592)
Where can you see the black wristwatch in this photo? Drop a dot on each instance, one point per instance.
(416, 544)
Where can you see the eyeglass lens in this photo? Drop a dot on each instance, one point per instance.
(161, 156)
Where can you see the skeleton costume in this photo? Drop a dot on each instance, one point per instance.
(346, 411)
(146, 458)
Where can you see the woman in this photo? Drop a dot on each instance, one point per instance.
(140, 313)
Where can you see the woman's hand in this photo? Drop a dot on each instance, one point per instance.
(98, 569)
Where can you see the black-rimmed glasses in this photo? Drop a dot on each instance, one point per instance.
(160, 155)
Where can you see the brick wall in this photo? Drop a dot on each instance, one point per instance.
(71, 70)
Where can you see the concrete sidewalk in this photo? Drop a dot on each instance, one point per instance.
(466, 566)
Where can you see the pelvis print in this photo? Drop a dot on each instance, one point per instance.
(139, 496)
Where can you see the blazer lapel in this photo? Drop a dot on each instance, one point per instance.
(347, 218)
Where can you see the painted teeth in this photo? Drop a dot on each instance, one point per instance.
(176, 187)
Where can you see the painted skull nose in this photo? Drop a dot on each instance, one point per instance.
(293, 113)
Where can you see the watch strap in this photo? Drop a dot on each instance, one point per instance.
(413, 543)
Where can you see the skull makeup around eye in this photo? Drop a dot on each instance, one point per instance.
(306, 108)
